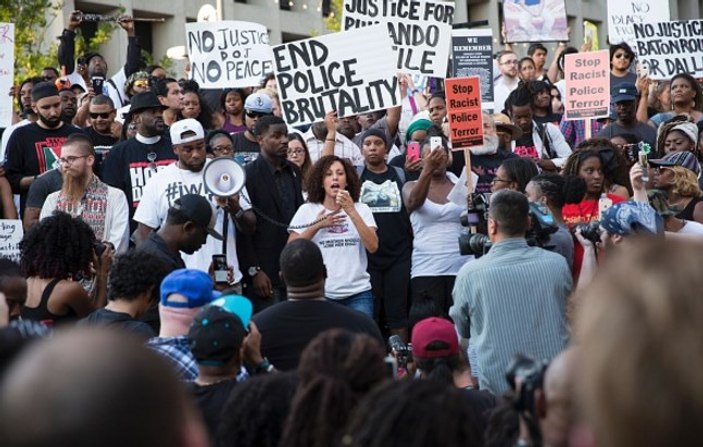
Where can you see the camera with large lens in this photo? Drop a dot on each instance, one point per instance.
(542, 226)
(474, 241)
(525, 376)
(590, 231)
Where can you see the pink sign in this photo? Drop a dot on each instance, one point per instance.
(587, 85)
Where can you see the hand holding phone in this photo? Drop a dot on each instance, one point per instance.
(413, 152)
(98, 83)
(435, 143)
(221, 270)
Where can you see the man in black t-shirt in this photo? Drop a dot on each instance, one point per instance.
(246, 146)
(287, 328)
(132, 162)
(35, 148)
(103, 130)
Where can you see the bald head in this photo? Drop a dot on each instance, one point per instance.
(93, 387)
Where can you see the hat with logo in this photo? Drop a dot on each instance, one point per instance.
(431, 330)
(237, 305)
(198, 210)
(626, 218)
(186, 131)
(259, 102)
(143, 101)
(623, 92)
(195, 285)
(685, 159)
(215, 336)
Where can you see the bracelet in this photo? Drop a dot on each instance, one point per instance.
(330, 139)
(264, 367)
(239, 213)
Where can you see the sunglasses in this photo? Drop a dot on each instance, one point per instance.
(256, 114)
(141, 83)
(104, 115)
(623, 55)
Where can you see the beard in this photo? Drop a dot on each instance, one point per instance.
(50, 122)
(74, 186)
(489, 147)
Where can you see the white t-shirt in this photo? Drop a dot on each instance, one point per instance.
(163, 189)
(342, 251)
(691, 227)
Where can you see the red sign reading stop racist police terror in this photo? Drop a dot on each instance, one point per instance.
(464, 111)
(587, 78)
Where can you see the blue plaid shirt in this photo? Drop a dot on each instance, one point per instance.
(177, 351)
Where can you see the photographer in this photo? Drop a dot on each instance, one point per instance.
(514, 285)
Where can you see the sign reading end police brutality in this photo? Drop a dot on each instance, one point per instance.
(350, 72)
(587, 85)
(228, 54)
(421, 30)
(669, 48)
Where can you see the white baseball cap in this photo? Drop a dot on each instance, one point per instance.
(186, 126)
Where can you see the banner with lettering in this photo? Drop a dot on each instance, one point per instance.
(7, 64)
(10, 237)
(623, 14)
(464, 112)
(668, 48)
(587, 85)
(350, 72)
(228, 54)
(472, 55)
(421, 30)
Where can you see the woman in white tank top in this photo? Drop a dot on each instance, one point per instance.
(436, 227)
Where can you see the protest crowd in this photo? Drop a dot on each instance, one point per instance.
(349, 255)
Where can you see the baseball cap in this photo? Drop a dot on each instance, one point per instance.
(195, 285)
(626, 218)
(215, 336)
(186, 126)
(237, 305)
(259, 102)
(199, 211)
(685, 159)
(623, 92)
(432, 330)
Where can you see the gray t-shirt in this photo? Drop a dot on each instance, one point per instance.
(42, 186)
(643, 132)
(562, 243)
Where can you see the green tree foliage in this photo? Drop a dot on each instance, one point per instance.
(333, 22)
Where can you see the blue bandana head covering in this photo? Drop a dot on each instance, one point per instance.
(627, 218)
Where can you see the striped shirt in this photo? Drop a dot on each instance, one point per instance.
(512, 300)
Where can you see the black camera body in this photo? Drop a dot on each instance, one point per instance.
(590, 231)
(403, 351)
(476, 242)
(529, 373)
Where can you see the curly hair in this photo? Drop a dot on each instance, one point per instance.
(59, 246)
(336, 370)
(256, 410)
(316, 179)
(685, 183)
(613, 162)
(413, 413)
(134, 273)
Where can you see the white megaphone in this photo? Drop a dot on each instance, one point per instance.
(224, 177)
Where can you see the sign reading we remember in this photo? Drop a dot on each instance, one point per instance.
(623, 14)
(668, 48)
(587, 85)
(464, 111)
(10, 237)
(421, 30)
(7, 62)
(350, 72)
(228, 54)
(472, 51)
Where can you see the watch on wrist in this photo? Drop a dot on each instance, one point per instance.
(252, 271)
(264, 367)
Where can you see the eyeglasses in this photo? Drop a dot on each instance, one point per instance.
(295, 151)
(70, 159)
(253, 115)
(510, 62)
(497, 180)
(104, 115)
(223, 149)
(623, 55)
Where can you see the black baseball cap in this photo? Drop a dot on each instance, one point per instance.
(199, 211)
(215, 336)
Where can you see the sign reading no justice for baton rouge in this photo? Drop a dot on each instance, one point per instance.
(464, 111)
(587, 84)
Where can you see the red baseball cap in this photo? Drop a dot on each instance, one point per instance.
(432, 330)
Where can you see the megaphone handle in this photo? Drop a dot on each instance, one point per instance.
(225, 230)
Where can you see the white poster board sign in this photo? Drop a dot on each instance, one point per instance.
(668, 48)
(623, 14)
(351, 72)
(10, 236)
(228, 54)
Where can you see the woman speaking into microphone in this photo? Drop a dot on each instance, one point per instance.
(343, 228)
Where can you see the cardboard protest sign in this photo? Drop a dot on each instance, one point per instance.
(622, 15)
(464, 112)
(472, 55)
(535, 20)
(590, 33)
(351, 72)
(228, 54)
(587, 85)
(668, 48)
(7, 63)
(10, 236)
(420, 29)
